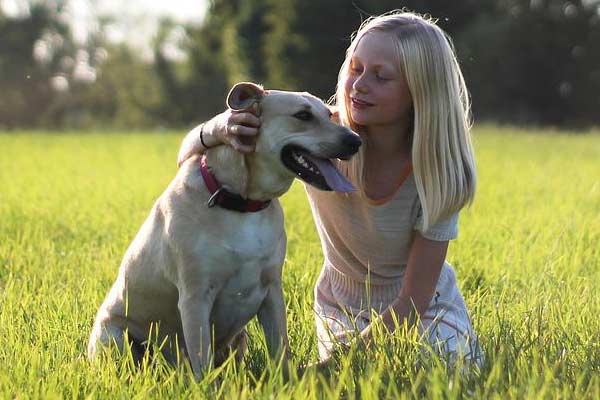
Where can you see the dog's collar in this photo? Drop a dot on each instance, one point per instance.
(224, 198)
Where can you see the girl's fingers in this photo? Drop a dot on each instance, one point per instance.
(245, 118)
(241, 131)
(245, 131)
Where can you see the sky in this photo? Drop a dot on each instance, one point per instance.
(135, 20)
(183, 10)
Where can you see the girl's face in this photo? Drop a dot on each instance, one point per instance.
(375, 87)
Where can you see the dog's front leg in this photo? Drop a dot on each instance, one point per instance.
(194, 308)
(271, 316)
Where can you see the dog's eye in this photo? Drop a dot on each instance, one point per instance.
(303, 115)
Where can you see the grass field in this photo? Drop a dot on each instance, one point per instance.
(527, 260)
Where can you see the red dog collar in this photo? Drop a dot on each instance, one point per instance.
(223, 198)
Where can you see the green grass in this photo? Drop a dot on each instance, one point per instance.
(527, 260)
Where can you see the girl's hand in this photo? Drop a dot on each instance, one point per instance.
(237, 129)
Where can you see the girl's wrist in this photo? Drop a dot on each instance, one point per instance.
(208, 135)
(201, 136)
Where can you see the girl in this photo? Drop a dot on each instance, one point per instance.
(401, 88)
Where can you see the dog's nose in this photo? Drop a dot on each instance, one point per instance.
(352, 141)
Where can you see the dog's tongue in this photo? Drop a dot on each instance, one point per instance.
(334, 178)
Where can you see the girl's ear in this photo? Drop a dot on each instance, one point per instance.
(244, 95)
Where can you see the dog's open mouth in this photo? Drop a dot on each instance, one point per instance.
(316, 171)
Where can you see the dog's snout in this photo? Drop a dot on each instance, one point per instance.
(350, 143)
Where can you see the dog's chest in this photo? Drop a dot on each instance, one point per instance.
(244, 261)
(246, 246)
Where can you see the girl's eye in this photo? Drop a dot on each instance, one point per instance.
(303, 115)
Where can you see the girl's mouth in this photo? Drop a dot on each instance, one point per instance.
(360, 103)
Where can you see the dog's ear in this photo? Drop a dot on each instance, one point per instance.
(243, 95)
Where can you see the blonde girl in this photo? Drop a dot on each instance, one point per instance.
(401, 88)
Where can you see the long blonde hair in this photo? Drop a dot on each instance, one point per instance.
(442, 152)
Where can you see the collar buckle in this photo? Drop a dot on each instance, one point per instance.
(212, 200)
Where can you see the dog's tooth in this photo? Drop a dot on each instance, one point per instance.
(299, 158)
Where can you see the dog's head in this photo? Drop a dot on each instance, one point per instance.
(297, 134)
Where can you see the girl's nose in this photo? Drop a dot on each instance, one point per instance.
(360, 84)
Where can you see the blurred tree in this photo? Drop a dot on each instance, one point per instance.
(33, 51)
(125, 94)
(535, 62)
(306, 43)
(194, 89)
(525, 61)
(243, 42)
(45, 75)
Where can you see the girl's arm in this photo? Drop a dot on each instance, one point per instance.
(422, 272)
(230, 127)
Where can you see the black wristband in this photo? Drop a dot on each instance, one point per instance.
(202, 139)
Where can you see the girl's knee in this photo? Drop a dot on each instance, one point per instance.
(453, 342)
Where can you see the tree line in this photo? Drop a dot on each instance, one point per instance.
(525, 61)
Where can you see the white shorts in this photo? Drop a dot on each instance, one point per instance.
(344, 306)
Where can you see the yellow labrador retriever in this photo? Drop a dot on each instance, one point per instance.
(209, 256)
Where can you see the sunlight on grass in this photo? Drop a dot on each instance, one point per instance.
(527, 260)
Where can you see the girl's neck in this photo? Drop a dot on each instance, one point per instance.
(387, 155)
(385, 141)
